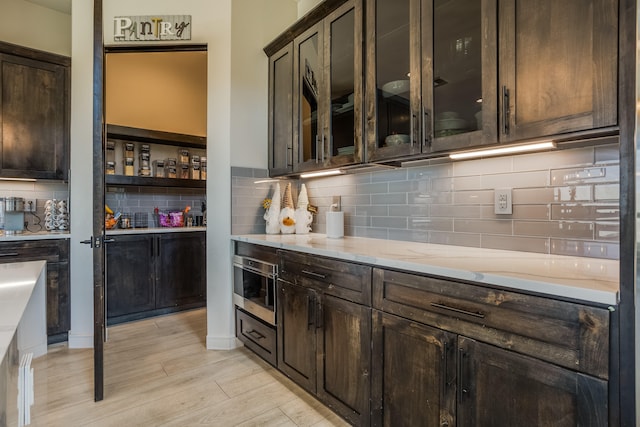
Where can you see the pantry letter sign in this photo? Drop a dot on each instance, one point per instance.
(152, 27)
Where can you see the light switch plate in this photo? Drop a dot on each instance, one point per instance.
(29, 205)
(502, 201)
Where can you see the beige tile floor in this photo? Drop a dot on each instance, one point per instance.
(159, 373)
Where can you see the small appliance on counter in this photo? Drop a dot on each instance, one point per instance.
(13, 215)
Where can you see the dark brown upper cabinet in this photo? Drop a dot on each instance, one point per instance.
(328, 91)
(316, 90)
(558, 67)
(433, 75)
(34, 113)
(281, 111)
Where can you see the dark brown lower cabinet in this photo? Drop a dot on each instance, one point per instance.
(324, 345)
(150, 274)
(425, 376)
(56, 253)
(497, 387)
(413, 374)
(130, 274)
(182, 278)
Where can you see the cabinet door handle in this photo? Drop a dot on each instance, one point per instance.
(289, 155)
(426, 128)
(310, 311)
(9, 254)
(414, 130)
(319, 315)
(444, 371)
(477, 314)
(317, 147)
(506, 110)
(152, 247)
(322, 147)
(158, 246)
(255, 334)
(311, 273)
(462, 390)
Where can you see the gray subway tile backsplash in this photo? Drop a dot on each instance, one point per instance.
(564, 202)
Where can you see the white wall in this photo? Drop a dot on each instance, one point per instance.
(37, 27)
(254, 25)
(80, 180)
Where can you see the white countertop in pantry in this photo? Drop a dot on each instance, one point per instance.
(151, 230)
(38, 235)
(587, 279)
(17, 281)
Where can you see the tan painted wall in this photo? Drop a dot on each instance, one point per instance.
(164, 91)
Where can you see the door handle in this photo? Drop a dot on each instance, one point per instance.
(108, 240)
(87, 242)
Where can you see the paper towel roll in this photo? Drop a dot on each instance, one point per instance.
(335, 224)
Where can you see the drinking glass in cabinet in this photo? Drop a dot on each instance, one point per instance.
(393, 63)
(457, 67)
(342, 84)
(309, 63)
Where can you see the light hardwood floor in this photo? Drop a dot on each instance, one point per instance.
(159, 373)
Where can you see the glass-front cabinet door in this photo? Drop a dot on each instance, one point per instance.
(393, 109)
(343, 29)
(307, 100)
(432, 79)
(328, 91)
(459, 87)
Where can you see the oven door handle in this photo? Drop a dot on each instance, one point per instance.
(255, 270)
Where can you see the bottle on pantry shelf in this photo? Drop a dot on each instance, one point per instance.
(158, 169)
(171, 168)
(203, 168)
(144, 162)
(128, 158)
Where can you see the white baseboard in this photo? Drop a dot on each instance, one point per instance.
(80, 341)
(221, 343)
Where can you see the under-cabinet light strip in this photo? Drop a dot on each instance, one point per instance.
(503, 150)
(321, 173)
(18, 179)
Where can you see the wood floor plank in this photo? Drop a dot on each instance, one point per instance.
(159, 372)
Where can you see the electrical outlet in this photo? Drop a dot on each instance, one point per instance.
(502, 201)
(29, 205)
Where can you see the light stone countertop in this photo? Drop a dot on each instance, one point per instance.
(17, 281)
(38, 235)
(585, 279)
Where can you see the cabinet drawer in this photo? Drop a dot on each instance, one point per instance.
(334, 277)
(572, 335)
(33, 250)
(257, 336)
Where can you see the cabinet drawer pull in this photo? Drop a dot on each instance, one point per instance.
(311, 273)
(478, 314)
(255, 334)
(10, 254)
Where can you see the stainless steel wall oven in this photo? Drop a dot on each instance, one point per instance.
(254, 287)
